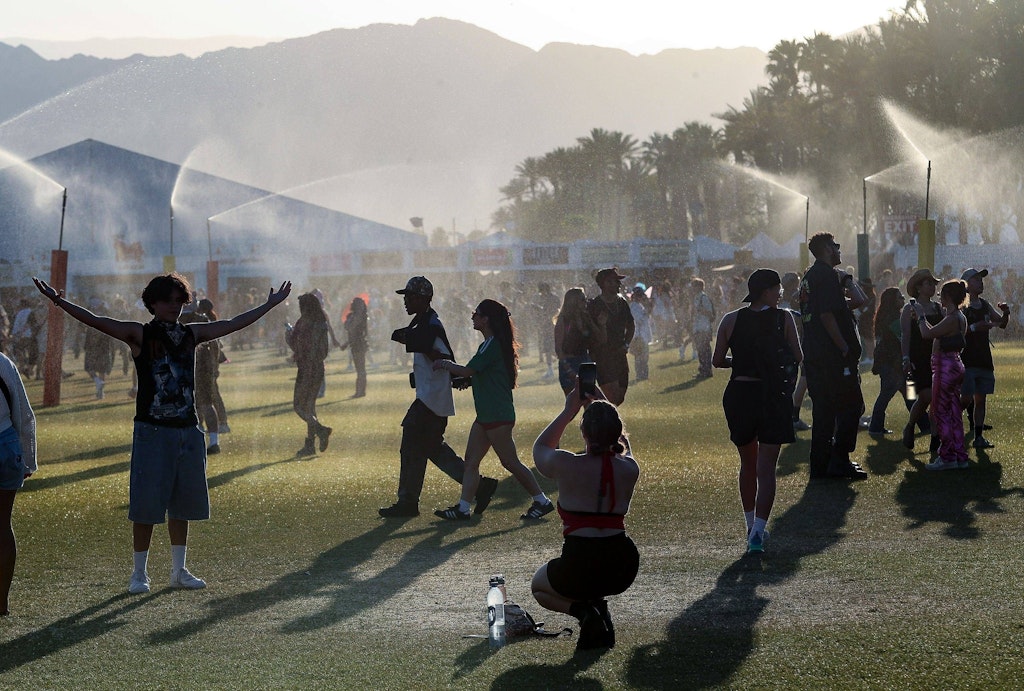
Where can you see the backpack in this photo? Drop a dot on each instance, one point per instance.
(519, 624)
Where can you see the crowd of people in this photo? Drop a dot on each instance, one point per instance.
(807, 335)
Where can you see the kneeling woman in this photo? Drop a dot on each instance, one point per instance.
(594, 491)
(756, 402)
(494, 370)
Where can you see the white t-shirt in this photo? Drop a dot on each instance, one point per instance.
(434, 387)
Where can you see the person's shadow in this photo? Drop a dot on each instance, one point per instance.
(335, 580)
(708, 641)
(67, 633)
(953, 497)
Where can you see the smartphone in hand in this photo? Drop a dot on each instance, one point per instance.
(588, 380)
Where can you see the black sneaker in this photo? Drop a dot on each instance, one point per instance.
(983, 443)
(323, 434)
(484, 492)
(593, 631)
(399, 510)
(214, 448)
(849, 471)
(452, 513)
(602, 608)
(538, 510)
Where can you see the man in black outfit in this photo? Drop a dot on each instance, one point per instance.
(831, 357)
(611, 311)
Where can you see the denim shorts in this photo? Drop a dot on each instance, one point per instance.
(978, 381)
(12, 466)
(168, 474)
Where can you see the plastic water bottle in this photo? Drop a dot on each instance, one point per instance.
(496, 611)
(911, 388)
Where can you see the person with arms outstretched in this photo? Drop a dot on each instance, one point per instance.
(167, 479)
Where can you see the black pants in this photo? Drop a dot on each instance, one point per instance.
(423, 439)
(308, 379)
(837, 407)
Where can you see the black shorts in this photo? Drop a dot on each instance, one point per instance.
(751, 416)
(591, 568)
(612, 367)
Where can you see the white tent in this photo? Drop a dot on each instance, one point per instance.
(763, 247)
(709, 249)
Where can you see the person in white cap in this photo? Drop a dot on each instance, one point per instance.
(979, 372)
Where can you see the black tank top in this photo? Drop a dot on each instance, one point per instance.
(166, 377)
(748, 339)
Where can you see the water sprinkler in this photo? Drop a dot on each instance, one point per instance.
(63, 208)
(865, 206)
(172, 229)
(807, 217)
(927, 189)
(209, 240)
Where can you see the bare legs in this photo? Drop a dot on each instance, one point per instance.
(500, 439)
(545, 594)
(757, 477)
(142, 533)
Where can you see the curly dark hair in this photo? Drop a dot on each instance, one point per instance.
(163, 287)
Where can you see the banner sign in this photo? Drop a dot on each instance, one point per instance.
(547, 255)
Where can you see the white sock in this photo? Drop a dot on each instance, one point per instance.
(541, 498)
(760, 524)
(463, 506)
(140, 559)
(749, 516)
(213, 438)
(177, 557)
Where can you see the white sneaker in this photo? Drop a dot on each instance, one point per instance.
(942, 464)
(184, 579)
(139, 583)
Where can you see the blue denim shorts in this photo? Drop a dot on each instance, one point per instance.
(12, 466)
(168, 474)
(978, 381)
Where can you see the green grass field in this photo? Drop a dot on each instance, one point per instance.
(910, 579)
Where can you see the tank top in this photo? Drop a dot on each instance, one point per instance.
(748, 340)
(166, 368)
(978, 349)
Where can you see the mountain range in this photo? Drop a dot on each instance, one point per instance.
(385, 122)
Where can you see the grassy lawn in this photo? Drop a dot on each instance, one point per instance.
(910, 579)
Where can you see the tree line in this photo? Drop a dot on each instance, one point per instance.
(953, 64)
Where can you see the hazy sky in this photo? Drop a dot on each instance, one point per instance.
(639, 26)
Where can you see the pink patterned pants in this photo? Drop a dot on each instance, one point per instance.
(947, 376)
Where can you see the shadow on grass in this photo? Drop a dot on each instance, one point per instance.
(90, 623)
(711, 638)
(883, 456)
(793, 458)
(335, 579)
(953, 497)
(563, 676)
(45, 483)
(93, 454)
(227, 476)
(685, 385)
